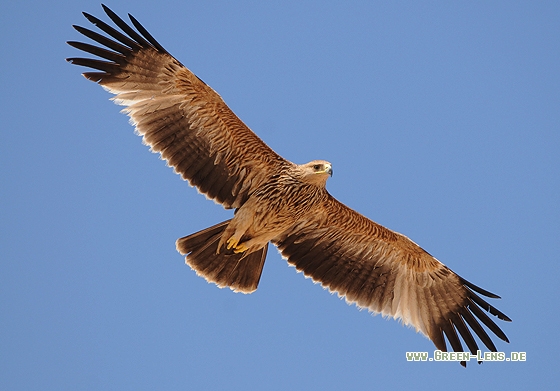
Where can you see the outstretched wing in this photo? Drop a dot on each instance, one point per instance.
(388, 273)
(177, 114)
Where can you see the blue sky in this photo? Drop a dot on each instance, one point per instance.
(441, 120)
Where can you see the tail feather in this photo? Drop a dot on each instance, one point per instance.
(240, 272)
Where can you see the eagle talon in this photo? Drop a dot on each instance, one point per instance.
(240, 248)
(234, 245)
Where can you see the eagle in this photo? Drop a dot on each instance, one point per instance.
(274, 200)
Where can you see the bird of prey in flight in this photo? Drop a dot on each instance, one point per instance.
(275, 200)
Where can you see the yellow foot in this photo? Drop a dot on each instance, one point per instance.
(240, 248)
(232, 243)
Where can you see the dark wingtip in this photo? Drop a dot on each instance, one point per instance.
(146, 34)
(108, 10)
(90, 17)
(479, 289)
(110, 13)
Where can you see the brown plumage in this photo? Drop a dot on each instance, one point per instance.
(275, 200)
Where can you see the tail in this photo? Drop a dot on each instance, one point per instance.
(239, 272)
